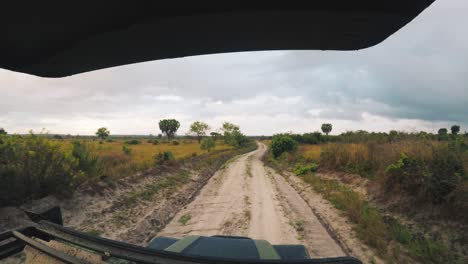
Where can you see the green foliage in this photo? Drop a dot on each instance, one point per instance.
(155, 142)
(326, 128)
(199, 129)
(215, 135)
(233, 136)
(32, 167)
(169, 127)
(126, 149)
(207, 144)
(455, 129)
(102, 133)
(442, 131)
(442, 134)
(281, 144)
(447, 171)
(2, 131)
(309, 138)
(409, 174)
(133, 142)
(302, 170)
(163, 157)
(175, 142)
(86, 162)
(426, 179)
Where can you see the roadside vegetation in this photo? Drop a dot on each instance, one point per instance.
(421, 177)
(36, 165)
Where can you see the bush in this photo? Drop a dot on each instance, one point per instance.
(110, 140)
(281, 144)
(207, 144)
(126, 150)
(409, 174)
(175, 142)
(163, 157)
(133, 142)
(32, 167)
(447, 171)
(431, 179)
(302, 170)
(155, 142)
(86, 162)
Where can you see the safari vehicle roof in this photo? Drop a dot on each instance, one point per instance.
(61, 38)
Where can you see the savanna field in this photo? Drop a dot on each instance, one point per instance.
(34, 166)
(406, 193)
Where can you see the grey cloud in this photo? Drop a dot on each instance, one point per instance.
(416, 78)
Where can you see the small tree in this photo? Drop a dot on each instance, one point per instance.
(207, 144)
(199, 129)
(2, 131)
(102, 133)
(233, 136)
(169, 127)
(229, 129)
(326, 128)
(442, 133)
(215, 135)
(455, 129)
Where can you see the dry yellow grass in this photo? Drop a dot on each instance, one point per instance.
(311, 152)
(144, 152)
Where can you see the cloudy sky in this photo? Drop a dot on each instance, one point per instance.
(415, 80)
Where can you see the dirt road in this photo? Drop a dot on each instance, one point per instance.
(247, 199)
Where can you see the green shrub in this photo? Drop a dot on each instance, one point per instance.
(207, 144)
(155, 142)
(447, 171)
(409, 174)
(163, 157)
(86, 162)
(32, 167)
(302, 170)
(126, 150)
(281, 144)
(133, 142)
(429, 179)
(175, 142)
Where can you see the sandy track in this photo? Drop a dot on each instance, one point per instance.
(247, 199)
